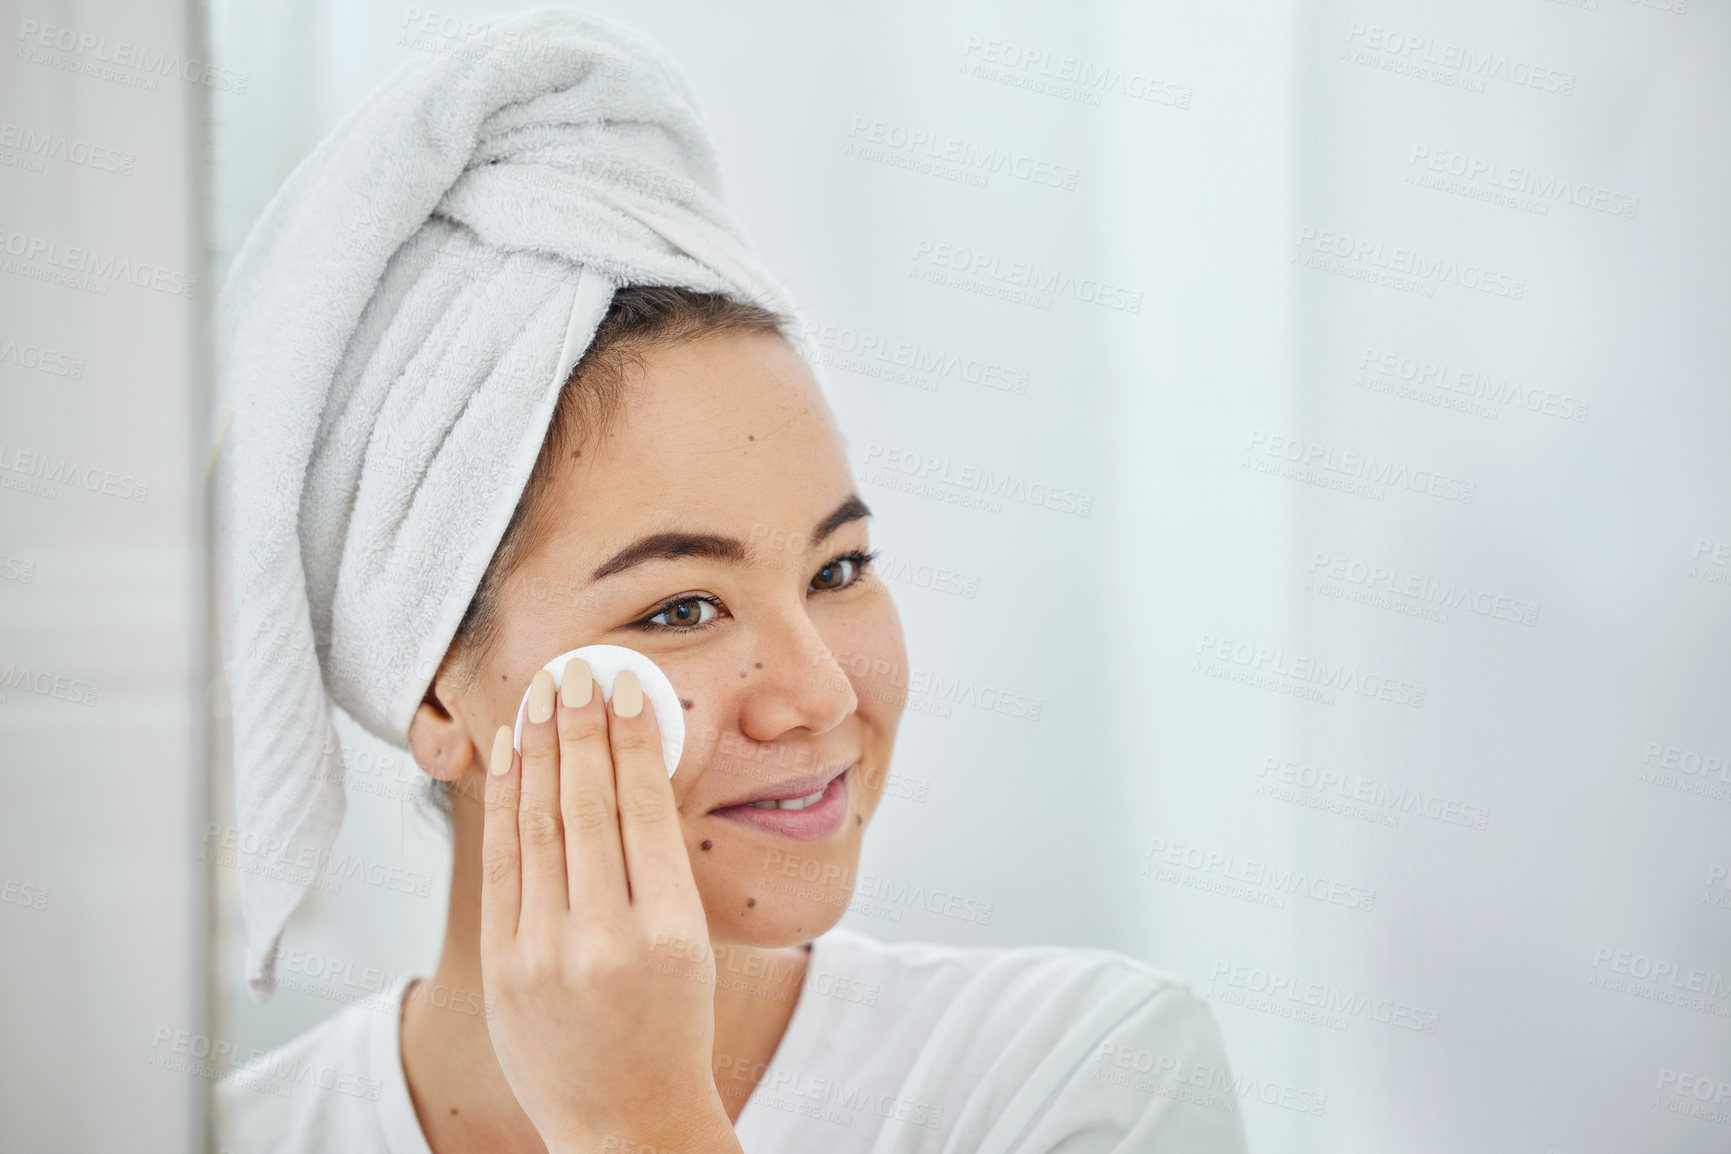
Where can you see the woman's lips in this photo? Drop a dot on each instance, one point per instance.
(813, 823)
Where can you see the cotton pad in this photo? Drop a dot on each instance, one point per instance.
(605, 664)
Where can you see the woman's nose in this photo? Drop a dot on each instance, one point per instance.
(795, 682)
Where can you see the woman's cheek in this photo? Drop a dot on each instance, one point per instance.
(867, 645)
(700, 698)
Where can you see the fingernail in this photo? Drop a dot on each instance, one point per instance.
(500, 763)
(578, 686)
(541, 697)
(627, 694)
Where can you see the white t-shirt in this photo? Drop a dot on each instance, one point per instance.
(904, 1048)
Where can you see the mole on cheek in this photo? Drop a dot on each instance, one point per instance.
(750, 902)
(686, 702)
(758, 665)
(707, 845)
(859, 819)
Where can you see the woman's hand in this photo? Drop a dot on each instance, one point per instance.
(594, 946)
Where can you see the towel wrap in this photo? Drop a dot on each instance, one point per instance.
(392, 339)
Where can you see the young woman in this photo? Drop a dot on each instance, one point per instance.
(658, 956)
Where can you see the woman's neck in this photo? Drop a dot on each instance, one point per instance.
(455, 1081)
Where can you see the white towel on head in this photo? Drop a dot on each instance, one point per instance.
(392, 339)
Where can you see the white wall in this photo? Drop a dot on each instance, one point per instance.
(103, 927)
(1161, 637)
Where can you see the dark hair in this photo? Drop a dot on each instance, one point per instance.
(641, 318)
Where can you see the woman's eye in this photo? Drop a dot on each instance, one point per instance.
(685, 613)
(840, 573)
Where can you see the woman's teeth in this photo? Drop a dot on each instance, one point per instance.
(792, 802)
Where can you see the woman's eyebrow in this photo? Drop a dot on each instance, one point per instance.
(666, 546)
(674, 545)
(852, 509)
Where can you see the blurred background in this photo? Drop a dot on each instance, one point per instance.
(1300, 443)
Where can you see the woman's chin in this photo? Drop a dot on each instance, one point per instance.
(766, 922)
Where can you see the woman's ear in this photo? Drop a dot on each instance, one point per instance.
(438, 740)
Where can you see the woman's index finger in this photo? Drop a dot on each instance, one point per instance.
(501, 852)
(656, 862)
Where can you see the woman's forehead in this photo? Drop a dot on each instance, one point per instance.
(723, 390)
(730, 434)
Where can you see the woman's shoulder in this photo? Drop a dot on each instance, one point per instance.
(320, 1090)
(1033, 971)
(1079, 1040)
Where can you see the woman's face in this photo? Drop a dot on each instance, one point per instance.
(715, 527)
